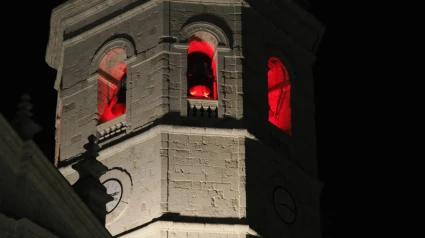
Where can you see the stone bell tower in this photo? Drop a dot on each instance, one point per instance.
(203, 111)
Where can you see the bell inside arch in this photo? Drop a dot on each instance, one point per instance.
(200, 76)
(119, 107)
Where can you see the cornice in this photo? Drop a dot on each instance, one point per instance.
(10, 227)
(58, 22)
(74, 11)
(175, 226)
(185, 130)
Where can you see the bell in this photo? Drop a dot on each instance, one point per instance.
(200, 91)
(200, 76)
(119, 107)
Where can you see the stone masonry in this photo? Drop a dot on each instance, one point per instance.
(185, 176)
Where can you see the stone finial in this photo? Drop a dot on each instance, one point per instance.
(88, 186)
(91, 147)
(23, 124)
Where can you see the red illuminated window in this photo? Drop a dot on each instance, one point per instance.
(111, 96)
(201, 70)
(279, 91)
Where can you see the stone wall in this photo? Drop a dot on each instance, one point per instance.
(226, 19)
(179, 170)
(205, 175)
(168, 229)
(198, 171)
(79, 81)
(157, 69)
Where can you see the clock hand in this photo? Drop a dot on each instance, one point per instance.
(285, 205)
(113, 194)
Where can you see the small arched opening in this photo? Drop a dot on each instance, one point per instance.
(279, 95)
(112, 74)
(202, 66)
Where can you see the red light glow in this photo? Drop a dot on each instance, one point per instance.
(207, 91)
(118, 109)
(279, 89)
(201, 46)
(112, 70)
(200, 91)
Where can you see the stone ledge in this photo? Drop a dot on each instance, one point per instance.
(112, 127)
(75, 11)
(172, 226)
(199, 107)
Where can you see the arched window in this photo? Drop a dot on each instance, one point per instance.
(111, 94)
(201, 69)
(279, 94)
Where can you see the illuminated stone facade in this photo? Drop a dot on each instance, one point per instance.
(192, 167)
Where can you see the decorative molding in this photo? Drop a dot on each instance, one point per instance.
(172, 226)
(112, 127)
(23, 124)
(159, 129)
(205, 31)
(170, 129)
(202, 108)
(72, 12)
(113, 44)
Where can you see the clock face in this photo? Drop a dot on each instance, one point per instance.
(113, 188)
(284, 205)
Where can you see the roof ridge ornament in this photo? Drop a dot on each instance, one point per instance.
(23, 124)
(88, 186)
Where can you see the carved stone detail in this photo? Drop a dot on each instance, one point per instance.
(214, 34)
(113, 44)
(23, 124)
(202, 108)
(112, 127)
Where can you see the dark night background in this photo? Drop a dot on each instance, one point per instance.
(25, 71)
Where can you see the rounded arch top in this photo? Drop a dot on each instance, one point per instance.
(285, 57)
(125, 43)
(277, 73)
(205, 31)
(274, 61)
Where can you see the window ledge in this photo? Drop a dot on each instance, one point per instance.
(203, 108)
(112, 127)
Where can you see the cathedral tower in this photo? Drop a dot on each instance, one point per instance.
(203, 111)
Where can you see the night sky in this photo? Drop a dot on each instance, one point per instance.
(25, 71)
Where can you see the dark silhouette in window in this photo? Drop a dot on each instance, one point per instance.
(201, 76)
(112, 75)
(118, 101)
